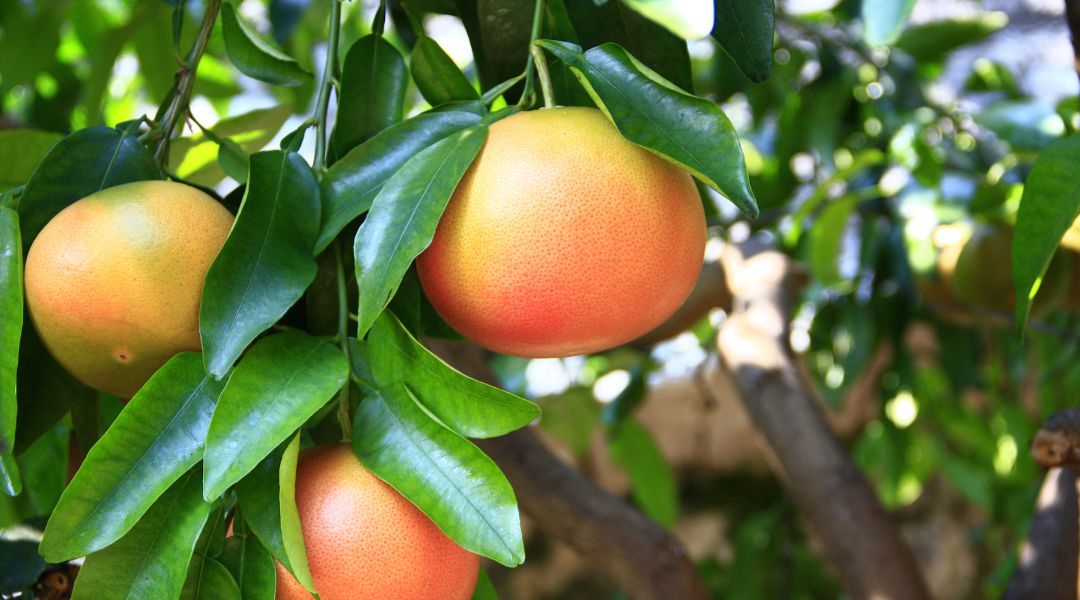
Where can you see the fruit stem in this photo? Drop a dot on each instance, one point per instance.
(527, 95)
(545, 75)
(328, 77)
(185, 82)
(344, 401)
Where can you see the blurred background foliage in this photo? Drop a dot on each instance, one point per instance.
(877, 147)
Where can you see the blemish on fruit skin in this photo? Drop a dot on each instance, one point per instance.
(123, 355)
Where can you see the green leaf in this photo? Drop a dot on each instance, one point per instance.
(485, 590)
(283, 380)
(11, 322)
(352, 182)
(31, 37)
(651, 112)
(455, 484)
(1050, 204)
(571, 417)
(651, 480)
(373, 83)
(884, 20)
(20, 151)
(437, 77)
(195, 158)
(688, 19)
(1027, 125)
(233, 160)
(934, 41)
(10, 482)
(467, 406)
(156, 439)
(46, 391)
(267, 497)
(154, 49)
(745, 31)
(404, 216)
(77, 166)
(266, 263)
(251, 566)
(827, 238)
(499, 34)
(151, 560)
(22, 566)
(208, 579)
(256, 57)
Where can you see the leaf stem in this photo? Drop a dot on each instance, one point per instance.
(344, 401)
(328, 78)
(545, 76)
(185, 82)
(528, 94)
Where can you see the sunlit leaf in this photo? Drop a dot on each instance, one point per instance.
(884, 20)
(651, 480)
(437, 77)
(688, 19)
(20, 151)
(254, 56)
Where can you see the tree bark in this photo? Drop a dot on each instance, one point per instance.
(643, 558)
(860, 541)
(1048, 558)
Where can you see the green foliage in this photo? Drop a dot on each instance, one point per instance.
(373, 83)
(436, 75)
(254, 56)
(745, 31)
(11, 322)
(251, 566)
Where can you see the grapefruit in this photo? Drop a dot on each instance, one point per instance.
(113, 282)
(365, 541)
(564, 238)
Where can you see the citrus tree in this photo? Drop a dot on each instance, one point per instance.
(303, 298)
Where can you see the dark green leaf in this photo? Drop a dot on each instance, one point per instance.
(934, 41)
(267, 497)
(207, 579)
(20, 151)
(21, 565)
(688, 19)
(195, 158)
(10, 483)
(443, 474)
(254, 56)
(352, 182)
(77, 166)
(689, 131)
(1050, 204)
(485, 590)
(651, 479)
(884, 20)
(155, 440)
(11, 322)
(151, 560)
(499, 34)
(468, 407)
(251, 566)
(437, 77)
(404, 216)
(212, 539)
(46, 391)
(266, 263)
(278, 385)
(745, 31)
(373, 83)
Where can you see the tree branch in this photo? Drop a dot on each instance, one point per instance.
(860, 541)
(1048, 558)
(646, 561)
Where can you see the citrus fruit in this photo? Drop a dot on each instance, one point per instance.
(564, 238)
(113, 281)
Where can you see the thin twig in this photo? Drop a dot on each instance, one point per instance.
(323, 101)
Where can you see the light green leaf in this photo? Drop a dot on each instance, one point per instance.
(884, 20)
(11, 323)
(651, 480)
(20, 151)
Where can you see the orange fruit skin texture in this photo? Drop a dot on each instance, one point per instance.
(114, 281)
(564, 238)
(365, 541)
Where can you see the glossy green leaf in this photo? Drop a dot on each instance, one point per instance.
(688, 19)
(651, 480)
(151, 560)
(884, 20)
(437, 77)
(485, 590)
(256, 57)
(827, 239)
(934, 41)
(156, 439)
(467, 406)
(443, 474)
(744, 30)
(251, 566)
(195, 158)
(46, 391)
(404, 216)
(1050, 204)
(651, 112)
(20, 151)
(10, 482)
(266, 263)
(77, 166)
(11, 322)
(373, 83)
(267, 498)
(208, 579)
(278, 385)
(352, 183)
